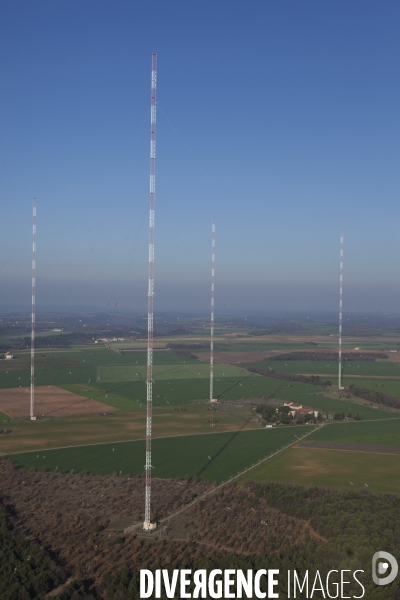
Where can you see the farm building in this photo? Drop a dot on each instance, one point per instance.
(298, 409)
(9, 356)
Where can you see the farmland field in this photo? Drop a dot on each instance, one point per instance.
(212, 457)
(115, 376)
(331, 468)
(167, 372)
(385, 386)
(131, 395)
(121, 426)
(381, 368)
(373, 432)
(49, 400)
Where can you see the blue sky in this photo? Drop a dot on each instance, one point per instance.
(279, 118)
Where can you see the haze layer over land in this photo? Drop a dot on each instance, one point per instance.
(282, 123)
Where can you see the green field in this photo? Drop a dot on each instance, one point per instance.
(331, 468)
(88, 357)
(385, 386)
(372, 432)
(125, 395)
(212, 457)
(121, 426)
(167, 372)
(332, 405)
(119, 380)
(382, 368)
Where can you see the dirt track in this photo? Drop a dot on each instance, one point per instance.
(49, 401)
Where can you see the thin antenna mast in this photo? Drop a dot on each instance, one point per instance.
(340, 311)
(212, 311)
(147, 525)
(33, 418)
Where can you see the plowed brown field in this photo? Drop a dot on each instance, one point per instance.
(49, 401)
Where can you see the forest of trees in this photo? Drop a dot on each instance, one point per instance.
(249, 526)
(351, 527)
(26, 570)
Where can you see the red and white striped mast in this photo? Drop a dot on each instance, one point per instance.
(147, 525)
(340, 311)
(212, 311)
(33, 310)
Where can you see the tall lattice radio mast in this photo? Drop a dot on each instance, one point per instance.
(340, 311)
(147, 525)
(33, 317)
(212, 312)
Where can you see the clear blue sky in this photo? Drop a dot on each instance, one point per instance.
(279, 118)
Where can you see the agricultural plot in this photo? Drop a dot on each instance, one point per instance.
(385, 386)
(49, 401)
(183, 391)
(372, 432)
(48, 377)
(47, 433)
(182, 370)
(132, 397)
(262, 345)
(89, 357)
(333, 406)
(331, 468)
(127, 395)
(212, 457)
(119, 381)
(381, 368)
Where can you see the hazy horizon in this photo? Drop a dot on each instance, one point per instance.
(283, 124)
(195, 298)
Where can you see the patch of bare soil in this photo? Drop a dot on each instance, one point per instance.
(49, 401)
(353, 446)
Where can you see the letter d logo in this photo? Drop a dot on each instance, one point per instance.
(383, 567)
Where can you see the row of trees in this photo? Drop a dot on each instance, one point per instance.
(373, 396)
(312, 379)
(331, 356)
(341, 416)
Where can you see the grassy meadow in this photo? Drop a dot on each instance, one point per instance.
(380, 368)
